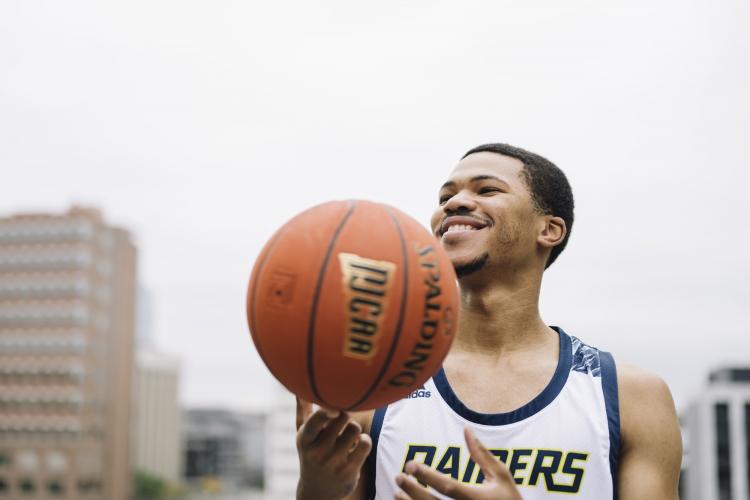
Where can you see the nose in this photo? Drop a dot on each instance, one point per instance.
(462, 201)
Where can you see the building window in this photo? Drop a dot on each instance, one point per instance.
(4, 459)
(723, 452)
(56, 461)
(55, 488)
(27, 460)
(88, 486)
(3, 486)
(27, 486)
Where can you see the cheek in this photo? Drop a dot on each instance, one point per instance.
(437, 216)
(512, 224)
(527, 226)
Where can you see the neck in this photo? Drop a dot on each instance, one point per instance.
(500, 317)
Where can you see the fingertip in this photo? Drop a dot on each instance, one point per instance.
(469, 435)
(411, 467)
(363, 446)
(331, 413)
(366, 444)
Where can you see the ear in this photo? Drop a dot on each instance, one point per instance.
(553, 232)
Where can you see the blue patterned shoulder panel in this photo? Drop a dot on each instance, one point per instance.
(585, 358)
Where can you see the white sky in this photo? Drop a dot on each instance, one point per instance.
(202, 126)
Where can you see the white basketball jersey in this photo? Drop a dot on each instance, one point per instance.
(564, 442)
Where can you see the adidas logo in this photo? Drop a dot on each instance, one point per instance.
(419, 393)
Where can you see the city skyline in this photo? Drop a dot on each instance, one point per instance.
(202, 130)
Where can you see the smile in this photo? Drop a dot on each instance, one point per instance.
(456, 224)
(460, 227)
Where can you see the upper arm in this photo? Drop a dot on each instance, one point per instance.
(364, 419)
(651, 452)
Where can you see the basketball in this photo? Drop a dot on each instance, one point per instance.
(352, 305)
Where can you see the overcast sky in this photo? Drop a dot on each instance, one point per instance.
(202, 126)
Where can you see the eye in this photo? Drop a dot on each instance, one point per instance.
(489, 190)
(443, 199)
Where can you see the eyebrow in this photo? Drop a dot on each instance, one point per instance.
(476, 178)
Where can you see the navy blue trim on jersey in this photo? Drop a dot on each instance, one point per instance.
(535, 405)
(372, 459)
(612, 404)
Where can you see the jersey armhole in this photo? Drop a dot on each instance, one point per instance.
(372, 459)
(612, 405)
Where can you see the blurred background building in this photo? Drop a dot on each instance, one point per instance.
(67, 293)
(145, 338)
(282, 463)
(224, 451)
(156, 424)
(717, 427)
(156, 413)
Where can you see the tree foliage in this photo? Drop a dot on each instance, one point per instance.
(148, 487)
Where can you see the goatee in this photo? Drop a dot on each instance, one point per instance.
(471, 267)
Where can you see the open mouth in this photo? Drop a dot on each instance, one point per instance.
(460, 227)
(458, 224)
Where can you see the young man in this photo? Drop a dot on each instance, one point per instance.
(561, 416)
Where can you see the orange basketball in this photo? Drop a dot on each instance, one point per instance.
(352, 305)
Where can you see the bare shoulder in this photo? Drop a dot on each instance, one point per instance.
(651, 444)
(647, 409)
(636, 383)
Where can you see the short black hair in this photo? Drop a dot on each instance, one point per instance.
(550, 189)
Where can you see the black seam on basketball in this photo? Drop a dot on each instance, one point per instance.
(252, 323)
(316, 296)
(401, 314)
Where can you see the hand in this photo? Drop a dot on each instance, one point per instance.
(331, 449)
(498, 483)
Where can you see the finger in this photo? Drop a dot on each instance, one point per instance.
(412, 488)
(489, 464)
(440, 482)
(304, 410)
(347, 439)
(313, 427)
(359, 454)
(328, 436)
(400, 495)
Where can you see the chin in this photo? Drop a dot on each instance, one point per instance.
(467, 266)
(461, 260)
(464, 254)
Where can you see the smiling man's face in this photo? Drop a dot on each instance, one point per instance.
(485, 214)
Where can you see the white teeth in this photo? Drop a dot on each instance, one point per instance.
(460, 227)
